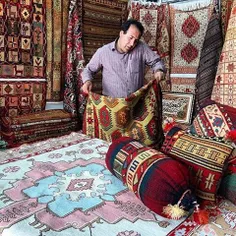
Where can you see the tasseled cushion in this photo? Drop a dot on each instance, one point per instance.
(156, 179)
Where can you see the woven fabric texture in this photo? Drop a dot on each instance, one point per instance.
(224, 89)
(188, 30)
(156, 179)
(21, 97)
(206, 158)
(36, 126)
(22, 39)
(56, 26)
(226, 7)
(214, 120)
(138, 116)
(209, 60)
(228, 185)
(156, 22)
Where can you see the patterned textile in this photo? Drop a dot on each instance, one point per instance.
(138, 116)
(74, 102)
(228, 184)
(209, 59)
(222, 222)
(101, 24)
(98, 26)
(188, 30)
(22, 57)
(17, 98)
(30, 150)
(56, 25)
(156, 179)
(214, 120)
(226, 7)
(206, 159)
(22, 39)
(36, 126)
(182, 84)
(156, 22)
(224, 90)
(68, 190)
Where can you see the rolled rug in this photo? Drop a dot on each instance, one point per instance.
(160, 182)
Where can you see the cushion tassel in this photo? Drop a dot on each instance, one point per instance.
(174, 212)
(182, 208)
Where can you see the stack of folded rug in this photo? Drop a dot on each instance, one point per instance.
(36, 126)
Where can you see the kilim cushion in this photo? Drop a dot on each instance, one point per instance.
(214, 120)
(206, 159)
(137, 116)
(156, 179)
(36, 126)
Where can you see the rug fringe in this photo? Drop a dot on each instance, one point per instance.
(191, 5)
(144, 2)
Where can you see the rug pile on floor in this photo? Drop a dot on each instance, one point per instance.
(61, 186)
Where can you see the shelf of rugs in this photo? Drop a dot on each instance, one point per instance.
(36, 126)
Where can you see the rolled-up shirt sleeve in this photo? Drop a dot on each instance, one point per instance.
(92, 67)
(153, 60)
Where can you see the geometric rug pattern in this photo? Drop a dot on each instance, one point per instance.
(224, 89)
(187, 34)
(22, 39)
(156, 22)
(61, 186)
(69, 191)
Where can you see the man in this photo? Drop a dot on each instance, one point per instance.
(123, 63)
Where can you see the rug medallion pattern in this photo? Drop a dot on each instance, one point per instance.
(69, 191)
(188, 29)
(61, 186)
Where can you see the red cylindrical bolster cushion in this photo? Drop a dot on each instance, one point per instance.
(156, 179)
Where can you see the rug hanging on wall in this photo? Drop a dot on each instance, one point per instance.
(56, 25)
(183, 84)
(74, 100)
(226, 7)
(22, 57)
(22, 39)
(208, 63)
(188, 28)
(224, 90)
(156, 21)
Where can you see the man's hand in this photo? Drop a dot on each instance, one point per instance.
(159, 75)
(87, 87)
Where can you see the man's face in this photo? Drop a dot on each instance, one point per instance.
(129, 40)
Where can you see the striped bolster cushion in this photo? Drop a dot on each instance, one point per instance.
(156, 179)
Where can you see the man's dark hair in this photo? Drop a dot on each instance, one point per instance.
(129, 22)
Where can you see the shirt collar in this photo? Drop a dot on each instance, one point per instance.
(113, 45)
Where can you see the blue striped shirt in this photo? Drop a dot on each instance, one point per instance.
(122, 74)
